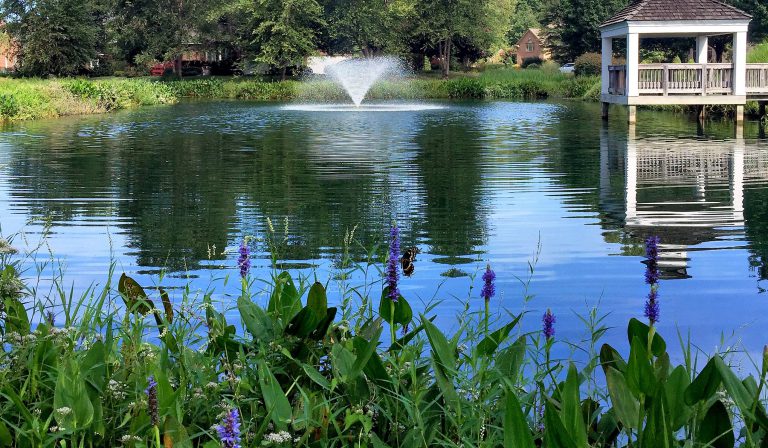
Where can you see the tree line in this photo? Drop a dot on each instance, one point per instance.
(60, 37)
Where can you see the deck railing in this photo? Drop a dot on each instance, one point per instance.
(757, 78)
(690, 79)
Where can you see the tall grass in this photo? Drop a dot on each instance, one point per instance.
(758, 53)
(125, 366)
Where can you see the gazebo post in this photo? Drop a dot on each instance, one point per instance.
(740, 70)
(605, 75)
(633, 69)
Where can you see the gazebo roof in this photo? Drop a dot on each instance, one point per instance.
(676, 10)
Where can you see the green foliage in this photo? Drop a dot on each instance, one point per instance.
(525, 63)
(54, 37)
(588, 64)
(577, 22)
(294, 368)
(758, 53)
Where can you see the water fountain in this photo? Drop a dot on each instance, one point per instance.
(357, 77)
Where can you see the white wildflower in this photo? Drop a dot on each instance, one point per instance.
(278, 437)
(63, 411)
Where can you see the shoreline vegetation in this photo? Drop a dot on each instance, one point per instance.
(27, 99)
(31, 99)
(128, 366)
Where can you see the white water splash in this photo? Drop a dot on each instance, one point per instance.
(357, 76)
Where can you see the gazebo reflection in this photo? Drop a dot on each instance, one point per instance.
(687, 192)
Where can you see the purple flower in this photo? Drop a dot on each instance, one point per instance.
(652, 260)
(229, 430)
(244, 261)
(151, 392)
(392, 264)
(652, 307)
(549, 324)
(489, 289)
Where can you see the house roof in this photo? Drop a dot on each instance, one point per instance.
(676, 10)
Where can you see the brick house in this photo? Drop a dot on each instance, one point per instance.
(532, 45)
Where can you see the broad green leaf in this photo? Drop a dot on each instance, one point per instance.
(657, 431)
(490, 343)
(16, 319)
(517, 434)
(676, 385)
(175, 434)
(322, 328)
(134, 296)
(401, 310)
(555, 436)
(640, 375)
(444, 352)
(716, 430)
(303, 323)
(637, 329)
(285, 300)
(609, 357)
(256, 321)
(625, 405)
(704, 385)
(277, 404)
(167, 305)
(739, 393)
(510, 360)
(570, 408)
(316, 376)
(363, 351)
(317, 300)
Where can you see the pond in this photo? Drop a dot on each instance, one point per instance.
(173, 190)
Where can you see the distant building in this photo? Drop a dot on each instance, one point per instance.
(532, 45)
(7, 52)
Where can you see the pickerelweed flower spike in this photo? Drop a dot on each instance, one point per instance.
(244, 261)
(549, 324)
(489, 289)
(652, 309)
(393, 263)
(229, 430)
(151, 392)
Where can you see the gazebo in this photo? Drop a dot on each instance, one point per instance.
(703, 82)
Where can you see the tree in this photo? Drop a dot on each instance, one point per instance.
(285, 32)
(523, 18)
(370, 26)
(758, 28)
(161, 29)
(53, 37)
(481, 22)
(575, 26)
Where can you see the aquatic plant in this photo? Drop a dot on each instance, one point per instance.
(119, 372)
(652, 275)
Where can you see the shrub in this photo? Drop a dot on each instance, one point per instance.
(465, 88)
(528, 61)
(588, 64)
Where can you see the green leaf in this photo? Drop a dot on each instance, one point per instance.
(517, 434)
(303, 323)
(490, 343)
(256, 321)
(640, 375)
(676, 385)
(570, 404)
(625, 405)
(739, 393)
(510, 360)
(317, 300)
(134, 296)
(403, 314)
(72, 407)
(637, 329)
(704, 385)
(363, 351)
(555, 436)
(322, 328)
(716, 430)
(285, 301)
(609, 357)
(277, 404)
(16, 319)
(444, 352)
(6, 439)
(316, 376)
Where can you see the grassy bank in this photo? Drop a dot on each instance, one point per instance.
(125, 366)
(24, 99)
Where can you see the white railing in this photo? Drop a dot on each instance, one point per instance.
(757, 78)
(672, 79)
(691, 79)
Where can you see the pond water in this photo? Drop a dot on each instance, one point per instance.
(168, 189)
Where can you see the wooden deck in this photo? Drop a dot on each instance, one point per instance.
(687, 84)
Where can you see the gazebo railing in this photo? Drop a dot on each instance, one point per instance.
(671, 79)
(757, 78)
(617, 75)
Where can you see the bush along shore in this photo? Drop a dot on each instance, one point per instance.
(25, 99)
(156, 372)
